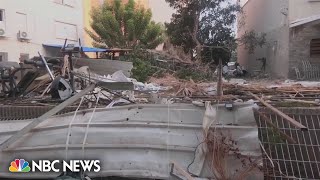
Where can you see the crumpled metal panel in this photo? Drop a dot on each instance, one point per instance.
(131, 141)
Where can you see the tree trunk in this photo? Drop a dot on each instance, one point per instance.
(194, 36)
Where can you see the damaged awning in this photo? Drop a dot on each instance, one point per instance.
(303, 21)
(85, 49)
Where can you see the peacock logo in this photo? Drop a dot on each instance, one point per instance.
(19, 165)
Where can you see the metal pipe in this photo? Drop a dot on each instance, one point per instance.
(46, 65)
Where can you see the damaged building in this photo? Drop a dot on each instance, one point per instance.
(292, 37)
(77, 108)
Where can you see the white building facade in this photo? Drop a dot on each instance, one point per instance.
(25, 25)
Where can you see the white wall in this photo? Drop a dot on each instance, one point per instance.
(44, 24)
(161, 11)
(299, 9)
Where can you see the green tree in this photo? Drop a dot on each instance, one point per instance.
(121, 25)
(204, 26)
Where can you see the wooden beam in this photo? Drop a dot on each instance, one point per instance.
(302, 101)
(269, 122)
(220, 83)
(181, 171)
(278, 112)
(44, 117)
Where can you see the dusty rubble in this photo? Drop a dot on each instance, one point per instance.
(114, 91)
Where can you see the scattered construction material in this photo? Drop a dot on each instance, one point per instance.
(286, 117)
(104, 67)
(269, 122)
(45, 116)
(138, 129)
(288, 160)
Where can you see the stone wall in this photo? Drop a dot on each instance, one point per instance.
(300, 38)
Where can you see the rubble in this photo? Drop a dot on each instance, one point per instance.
(116, 100)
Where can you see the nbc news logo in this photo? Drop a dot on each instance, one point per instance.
(22, 166)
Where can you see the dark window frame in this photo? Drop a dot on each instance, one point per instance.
(315, 47)
(2, 15)
(4, 56)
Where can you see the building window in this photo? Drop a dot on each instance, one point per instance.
(66, 31)
(2, 23)
(315, 48)
(3, 56)
(21, 22)
(1, 15)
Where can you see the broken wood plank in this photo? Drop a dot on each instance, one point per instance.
(118, 95)
(46, 90)
(278, 112)
(45, 116)
(301, 101)
(220, 83)
(269, 122)
(181, 171)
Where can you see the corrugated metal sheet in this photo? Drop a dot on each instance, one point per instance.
(131, 141)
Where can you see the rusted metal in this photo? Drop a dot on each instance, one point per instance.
(27, 112)
(45, 116)
(285, 160)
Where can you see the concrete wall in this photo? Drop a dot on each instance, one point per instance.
(299, 9)
(266, 17)
(161, 10)
(87, 9)
(45, 21)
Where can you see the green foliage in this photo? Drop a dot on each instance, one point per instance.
(251, 40)
(142, 65)
(204, 22)
(274, 136)
(124, 26)
(146, 65)
(194, 74)
(142, 69)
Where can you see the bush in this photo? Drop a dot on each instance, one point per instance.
(142, 69)
(194, 74)
(145, 65)
(142, 65)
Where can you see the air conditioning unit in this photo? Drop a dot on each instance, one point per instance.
(23, 35)
(2, 32)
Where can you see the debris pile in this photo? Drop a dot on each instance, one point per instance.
(56, 84)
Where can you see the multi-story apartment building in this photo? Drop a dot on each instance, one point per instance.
(292, 30)
(25, 26)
